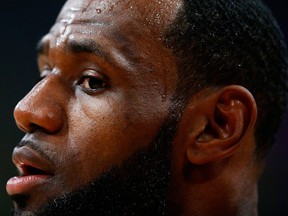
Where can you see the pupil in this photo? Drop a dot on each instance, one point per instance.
(95, 83)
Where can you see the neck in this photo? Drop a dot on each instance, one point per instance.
(215, 190)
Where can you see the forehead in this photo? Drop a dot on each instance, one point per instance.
(125, 28)
(148, 14)
(160, 10)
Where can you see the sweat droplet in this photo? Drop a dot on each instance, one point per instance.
(163, 97)
(98, 11)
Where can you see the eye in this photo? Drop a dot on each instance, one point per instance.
(43, 74)
(93, 82)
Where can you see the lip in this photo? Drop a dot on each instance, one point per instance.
(34, 171)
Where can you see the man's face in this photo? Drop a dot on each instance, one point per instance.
(106, 91)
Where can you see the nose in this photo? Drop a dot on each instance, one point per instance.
(41, 109)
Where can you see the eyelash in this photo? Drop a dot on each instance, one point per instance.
(92, 83)
(85, 82)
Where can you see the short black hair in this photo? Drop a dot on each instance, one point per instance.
(224, 42)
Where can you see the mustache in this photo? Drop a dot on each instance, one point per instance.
(40, 149)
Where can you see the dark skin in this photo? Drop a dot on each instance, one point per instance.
(108, 81)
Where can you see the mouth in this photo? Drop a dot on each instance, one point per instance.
(34, 171)
(28, 170)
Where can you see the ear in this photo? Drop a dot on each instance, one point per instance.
(218, 123)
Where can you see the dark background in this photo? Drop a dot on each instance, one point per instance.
(22, 23)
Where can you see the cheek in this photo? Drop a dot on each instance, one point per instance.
(102, 133)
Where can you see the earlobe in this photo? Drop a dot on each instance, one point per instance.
(222, 121)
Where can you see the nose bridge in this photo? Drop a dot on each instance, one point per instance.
(42, 108)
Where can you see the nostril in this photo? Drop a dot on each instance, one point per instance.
(41, 109)
(24, 120)
(22, 117)
(29, 128)
(32, 127)
(44, 124)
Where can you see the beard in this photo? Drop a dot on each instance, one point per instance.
(139, 186)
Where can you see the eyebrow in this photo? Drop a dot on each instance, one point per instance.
(88, 46)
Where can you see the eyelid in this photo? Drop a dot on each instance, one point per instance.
(92, 74)
(46, 70)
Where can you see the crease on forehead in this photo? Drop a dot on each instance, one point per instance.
(84, 12)
(118, 46)
(90, 9)
(155, 15)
